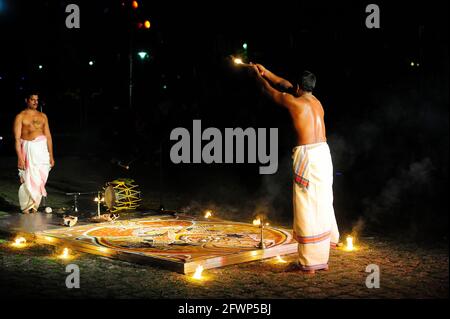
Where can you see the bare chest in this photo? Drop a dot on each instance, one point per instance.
(33, 122)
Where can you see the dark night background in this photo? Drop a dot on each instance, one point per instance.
(387, 121)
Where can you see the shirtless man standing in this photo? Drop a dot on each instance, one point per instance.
(315, 227)
(34, 150)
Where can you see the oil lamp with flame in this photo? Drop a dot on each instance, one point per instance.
(99, 200)
(198, 273)
(349, 246)
(65, 254)
(259, 222)
(208, 214)
(19, 242)
(238, 61)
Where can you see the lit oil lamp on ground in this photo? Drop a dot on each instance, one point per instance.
(19, 242)
(198, 273)
(349, 243)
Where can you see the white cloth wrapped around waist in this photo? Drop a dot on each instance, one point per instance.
(314, 227)
(312, 163)
(35, 174)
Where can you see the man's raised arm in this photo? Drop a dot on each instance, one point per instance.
(278, 97)
(275, 80)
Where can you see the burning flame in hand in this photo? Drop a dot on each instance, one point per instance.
(198, 272)
(238, 61)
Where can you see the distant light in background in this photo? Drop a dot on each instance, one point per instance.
(91, 63)
(135, 4)
(147, 24)
(165, 87)
(143, 55)
(2, 6)
(245, 46)
(412, 64)
(40, 67)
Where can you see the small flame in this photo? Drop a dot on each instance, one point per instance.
(281, 260)
(19, 242)
(198, 272)
(96, 199)
(208, 214)
(49, 239)
(257, 222)
(349, 243)
(65, 254)
(238, 61)
(103, 249)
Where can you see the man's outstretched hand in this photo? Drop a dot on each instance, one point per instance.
(256, 70)
(261, 69)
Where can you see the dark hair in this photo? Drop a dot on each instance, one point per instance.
(307, 81)
(30, 92)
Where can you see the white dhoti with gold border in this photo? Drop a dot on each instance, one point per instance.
(315, 227)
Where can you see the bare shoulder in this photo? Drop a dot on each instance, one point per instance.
(20, 116)
(289, 100)
(302, 103)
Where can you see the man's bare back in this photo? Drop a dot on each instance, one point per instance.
(306, 110)
(307, 116)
